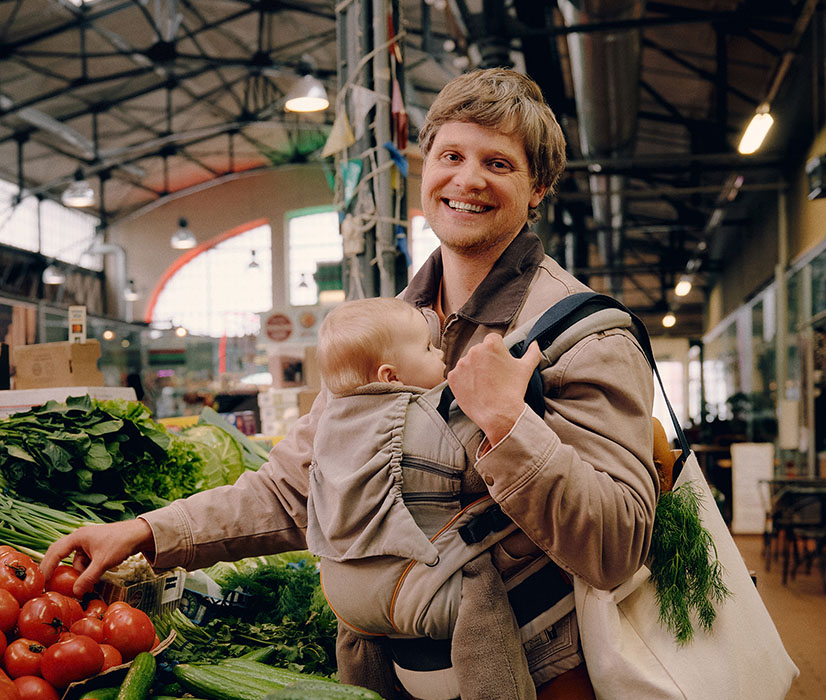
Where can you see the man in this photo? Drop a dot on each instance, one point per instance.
(580, 483)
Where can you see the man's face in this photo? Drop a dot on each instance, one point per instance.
(477, 188)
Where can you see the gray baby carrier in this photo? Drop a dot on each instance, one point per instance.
(411, 575)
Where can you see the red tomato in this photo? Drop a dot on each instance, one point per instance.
(20, 576)
(22, 657)
(3, 643)
(95, 608)
(63, 580)
(35, 688)
(41, 619)
(72, 660)
(72, 611)
(8, 690)
(111, 657)
(117, 605)
(156, 642)
(9, 610)
(129, 630)
(90, 626)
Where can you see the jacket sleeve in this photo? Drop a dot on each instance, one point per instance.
(581, 483)
(264, 512)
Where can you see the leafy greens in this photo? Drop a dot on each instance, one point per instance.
(109, 455)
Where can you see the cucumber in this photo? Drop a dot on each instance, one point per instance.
(263, 654)
(213, 683)
(312, 689)
(244, 668)
(139, 678)
(101, 694)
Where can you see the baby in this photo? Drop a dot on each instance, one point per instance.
(385, 493)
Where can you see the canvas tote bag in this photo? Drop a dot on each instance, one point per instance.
(631, 655)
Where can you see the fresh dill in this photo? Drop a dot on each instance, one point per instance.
(685, 570)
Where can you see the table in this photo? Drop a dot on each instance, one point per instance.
(796, 514)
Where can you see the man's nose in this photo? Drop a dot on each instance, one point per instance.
(470, 175)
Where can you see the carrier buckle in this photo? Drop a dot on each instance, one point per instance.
(478, 528)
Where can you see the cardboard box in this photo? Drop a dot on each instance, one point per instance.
(15, 401)
(57, 364)
(156, 596)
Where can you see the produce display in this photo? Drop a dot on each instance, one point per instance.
(268, 632)
(47, 634)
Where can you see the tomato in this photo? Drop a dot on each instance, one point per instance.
(20, 576)
(22, 657)
(63, 580)
(41, 619)
(111, 657)
(129, 630)
(117, 605)
(3, 643)
(70, 607)
(72, 660)
(95, 608)
(9, 610)
(35, 688)
(8, 690)
(90, 626)
(155, 642)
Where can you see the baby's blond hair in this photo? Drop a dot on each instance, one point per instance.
(356, 338)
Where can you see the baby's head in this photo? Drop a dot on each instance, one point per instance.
(377, 340)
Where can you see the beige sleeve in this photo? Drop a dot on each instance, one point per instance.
(264, 512)
(581, 483)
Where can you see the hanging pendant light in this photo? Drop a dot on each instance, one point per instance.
(53, 275)
(307, 95)
(183, 238)
(79, 193)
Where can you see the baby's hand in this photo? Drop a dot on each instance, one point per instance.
(489, 385)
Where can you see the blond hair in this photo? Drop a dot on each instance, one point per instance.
(510, 102)
(356, 338)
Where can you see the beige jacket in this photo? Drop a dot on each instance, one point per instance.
(581, 483)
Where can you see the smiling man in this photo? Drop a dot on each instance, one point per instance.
(579, 483)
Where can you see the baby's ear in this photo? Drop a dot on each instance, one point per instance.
(387, 373)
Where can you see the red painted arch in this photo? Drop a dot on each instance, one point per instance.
(195, 252)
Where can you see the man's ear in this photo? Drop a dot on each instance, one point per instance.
(387, 373)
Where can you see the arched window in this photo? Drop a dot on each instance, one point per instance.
(220, 287)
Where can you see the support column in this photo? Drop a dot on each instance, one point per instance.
(371, 210)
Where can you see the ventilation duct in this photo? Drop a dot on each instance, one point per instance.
(605, 70)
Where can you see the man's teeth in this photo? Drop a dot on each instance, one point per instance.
(465, 206)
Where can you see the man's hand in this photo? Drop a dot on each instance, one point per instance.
(98, 548)
(489, 385)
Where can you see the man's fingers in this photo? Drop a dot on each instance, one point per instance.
(532, 355)
(56, 552)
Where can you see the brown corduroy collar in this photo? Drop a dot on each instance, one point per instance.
(498, 297)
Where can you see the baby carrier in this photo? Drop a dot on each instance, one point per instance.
(412, 566)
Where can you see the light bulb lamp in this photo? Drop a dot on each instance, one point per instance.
(53, 275)
(307, 95)
(183, 238)
(756, 131)
(669, 319)
(79, 193)
(683, 286)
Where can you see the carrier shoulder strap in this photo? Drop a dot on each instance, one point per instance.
(553, 323)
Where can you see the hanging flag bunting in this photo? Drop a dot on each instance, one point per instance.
(401, 244)
(350, 176)
(398, 159)
(399, 115)
(341, 136)
(363, 100)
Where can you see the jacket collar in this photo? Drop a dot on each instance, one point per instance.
(499, 296)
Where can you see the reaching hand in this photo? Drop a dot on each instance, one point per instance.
(98, 548)
(489, 385)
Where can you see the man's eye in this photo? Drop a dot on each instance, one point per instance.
(500, 165)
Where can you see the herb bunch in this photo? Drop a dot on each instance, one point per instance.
(685, 571)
